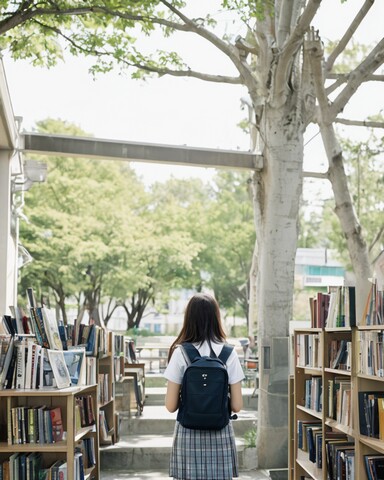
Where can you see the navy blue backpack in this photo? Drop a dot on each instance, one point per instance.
(204, 394)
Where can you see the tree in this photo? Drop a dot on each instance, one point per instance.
(229, 236)
(218, 216)
(281, 62)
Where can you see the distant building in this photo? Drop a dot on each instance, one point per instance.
(318, 267)
(315, 268)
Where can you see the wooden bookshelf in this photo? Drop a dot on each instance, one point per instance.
(106, 390)
(359, 373)
(66, 399)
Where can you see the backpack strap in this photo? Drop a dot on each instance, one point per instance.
(225, 353)
(190, 350)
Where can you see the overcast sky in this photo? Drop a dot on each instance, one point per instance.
(173, 110)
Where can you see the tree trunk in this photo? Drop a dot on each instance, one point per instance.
(277, 191)
(345, 211)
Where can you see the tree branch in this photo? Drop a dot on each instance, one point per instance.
(291, 47)
(320, 175)
(343, 78)
(360, 123)
(315, 53)
(151, 69)
(284, 26)
(224, 47)
(371, 63)
(348, 34)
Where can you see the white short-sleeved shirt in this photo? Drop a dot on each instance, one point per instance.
(177, 365)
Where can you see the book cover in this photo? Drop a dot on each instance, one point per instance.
(51, 328)
(48, 426)
(38, 325)
(9, 373)
(63, 471)
(75, 360)
(57, 424)
(7, 359)
(59, 368)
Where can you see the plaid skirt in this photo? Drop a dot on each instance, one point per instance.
(203, 454)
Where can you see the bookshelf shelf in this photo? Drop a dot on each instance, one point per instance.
(336, 371)
(31, 447)
(309, 467)
(80, 441)
(373, 443)
(309, 411)
(338, 426)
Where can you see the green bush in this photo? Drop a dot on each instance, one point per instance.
(250, 438)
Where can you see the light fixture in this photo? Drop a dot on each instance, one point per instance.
(34, 172)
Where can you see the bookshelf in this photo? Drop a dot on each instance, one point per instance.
(106, 393)
(80, 429)
(338, 399)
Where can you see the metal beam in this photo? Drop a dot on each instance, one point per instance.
(139, 152)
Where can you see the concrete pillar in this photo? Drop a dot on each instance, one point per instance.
(8, 241)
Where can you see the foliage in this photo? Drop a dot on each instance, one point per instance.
(219, 219)
(365, 169)
(250, 438)
(97, 235)
(92, 236)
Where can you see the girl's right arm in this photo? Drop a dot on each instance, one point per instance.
(172, 396)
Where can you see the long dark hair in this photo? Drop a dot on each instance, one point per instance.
(202, 322)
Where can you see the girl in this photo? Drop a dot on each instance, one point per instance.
(202, 454)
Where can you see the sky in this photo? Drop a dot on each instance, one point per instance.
(172, 110)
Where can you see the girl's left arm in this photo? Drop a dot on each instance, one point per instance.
(172, 396)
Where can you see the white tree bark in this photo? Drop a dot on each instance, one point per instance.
(277, 193)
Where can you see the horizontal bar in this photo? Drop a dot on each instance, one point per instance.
(139, 152)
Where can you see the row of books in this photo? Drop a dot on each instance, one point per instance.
(374, 308)
(104, 392)
(339, 400)
(340, 353)
(104, 428)
(339, 450)
(314, 393)
(34, 425)
(84, 412)
(334, 309)
(308, 441)
(374, 465)
(29, 466)
(309, 350)
(340, 456)
(371, 413)
(371, 353)
(52, 333)
(24, 364)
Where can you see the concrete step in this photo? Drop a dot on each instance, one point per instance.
(157, 420)
(163, 475)
(149, 452)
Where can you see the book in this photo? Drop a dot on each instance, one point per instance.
(57, 424)
(374, 466)
(51, 328)
(369, 420)
(7, 349)
(63, 471)
(59, 368)
(75, 360)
